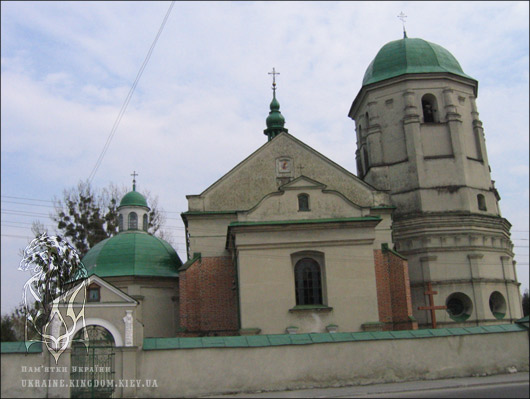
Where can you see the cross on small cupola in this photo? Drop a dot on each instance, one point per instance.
(402, 17)
(134, 174)
(274, 73)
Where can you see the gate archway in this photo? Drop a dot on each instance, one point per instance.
(92, 365)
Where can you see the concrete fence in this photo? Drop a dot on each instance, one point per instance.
(218, 365)
(199, 366)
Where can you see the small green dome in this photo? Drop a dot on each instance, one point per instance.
(275, 121)
(132, 254)
(406, 56)
(133, 198)
(275, 118)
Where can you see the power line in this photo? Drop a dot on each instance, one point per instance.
(23, 213)
(22, 203)
(24, 198)
(128, 98)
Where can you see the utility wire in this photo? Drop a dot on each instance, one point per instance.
(23, 198)
(128, 99)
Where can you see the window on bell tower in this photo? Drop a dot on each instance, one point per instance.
(429, 106)
(481, 202)
(145, 222)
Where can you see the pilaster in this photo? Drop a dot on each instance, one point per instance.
(505, 261)
(426, 264)
(454, 122)
(129, 372)
(478, 300)
(411, 127)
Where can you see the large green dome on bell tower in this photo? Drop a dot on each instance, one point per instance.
(411, 56)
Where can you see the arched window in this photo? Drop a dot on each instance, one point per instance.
(430, 108)
(145, 222)
(303, 202)
(308, 282)
(120, 222)
(133, 221)
(481, 202)
(367, 118)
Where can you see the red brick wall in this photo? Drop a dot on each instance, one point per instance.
(393, 291)
(400, 291)
(208, 298)
(189, 302)
(382, 283)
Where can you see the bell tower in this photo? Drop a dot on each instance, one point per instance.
(419, 137)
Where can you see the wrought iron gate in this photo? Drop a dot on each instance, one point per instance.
(92, 366)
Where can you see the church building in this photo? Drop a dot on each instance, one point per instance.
(292, 257)
(288, 241)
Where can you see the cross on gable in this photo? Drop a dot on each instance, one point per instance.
(431, 306)
(300, 167)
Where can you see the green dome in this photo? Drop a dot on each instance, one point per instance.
(275, 121)
(133, 198)
(275, 118)
(132, 254)
(411, 56)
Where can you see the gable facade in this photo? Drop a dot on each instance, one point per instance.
(283, 219)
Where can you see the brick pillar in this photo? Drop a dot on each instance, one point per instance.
(382, 284)
(393, 291)
(400, 293)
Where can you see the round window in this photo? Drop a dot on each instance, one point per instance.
(498, 305)
(459, 306)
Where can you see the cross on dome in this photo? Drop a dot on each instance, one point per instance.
(274, 73)
(402, 17)
(275, 121)
(134, 174)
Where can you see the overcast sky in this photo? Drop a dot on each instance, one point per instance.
(200, 106)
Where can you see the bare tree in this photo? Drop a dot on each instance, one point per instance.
(87, 216)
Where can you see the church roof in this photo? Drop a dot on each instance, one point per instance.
(133, 198)
(411, 55)
(132, 254)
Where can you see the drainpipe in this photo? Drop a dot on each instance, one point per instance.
(237, 295)
(235, 261)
